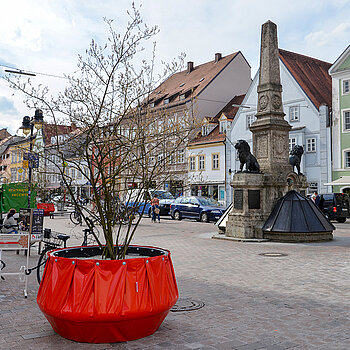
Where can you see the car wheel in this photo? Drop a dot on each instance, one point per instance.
(341, 220)
(177, 215)
(204, 217)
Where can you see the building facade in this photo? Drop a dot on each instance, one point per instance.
(340, 73)
(199, 91)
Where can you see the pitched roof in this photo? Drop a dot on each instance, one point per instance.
(196, 80)
(312, 76)
(214, 135)
(4, 134)
(231, 109)
(51, 130)
(343, 58)
(12, 140)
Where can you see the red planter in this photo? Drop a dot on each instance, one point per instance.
(103, 301)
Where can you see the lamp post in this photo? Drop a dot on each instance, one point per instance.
(27, 127)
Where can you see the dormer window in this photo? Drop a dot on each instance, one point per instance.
(182, 84)
(151, 104)
(223, 126)
(166, 101)
(201, 79)
(182, 97)
(205, 130)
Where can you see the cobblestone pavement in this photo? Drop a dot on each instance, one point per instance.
(298, 301)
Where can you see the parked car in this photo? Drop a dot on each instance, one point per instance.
(195, 207)
(335, 206)
(143, 200)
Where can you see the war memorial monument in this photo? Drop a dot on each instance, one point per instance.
(268, 175)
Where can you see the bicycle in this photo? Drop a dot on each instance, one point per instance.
(54, 241)
(76, 217)
(51, 241)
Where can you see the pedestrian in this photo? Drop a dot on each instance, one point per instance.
(10, 224)
(155, 208)
(315, 198)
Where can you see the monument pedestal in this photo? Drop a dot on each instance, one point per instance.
(254, 196)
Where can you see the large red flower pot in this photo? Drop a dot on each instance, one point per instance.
(104, 301)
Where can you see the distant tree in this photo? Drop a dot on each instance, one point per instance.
(119, 140)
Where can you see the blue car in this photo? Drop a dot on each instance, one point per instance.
(199, 208)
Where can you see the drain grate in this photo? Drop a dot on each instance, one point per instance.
(273, 255)
(187, 305)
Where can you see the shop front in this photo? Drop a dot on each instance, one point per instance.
(215, 191)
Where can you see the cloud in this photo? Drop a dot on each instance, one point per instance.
(325, 38)
(7, 106)
(47, 36)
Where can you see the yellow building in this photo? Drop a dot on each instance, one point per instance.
(16, 172)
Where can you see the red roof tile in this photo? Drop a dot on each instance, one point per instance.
(229, 110)
(56, 130)
(311, 74)
(212, 137)
(182, 81)
(215, 136)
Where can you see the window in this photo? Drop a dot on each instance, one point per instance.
(166, 101)
(215, 161)
(292, 143)
(346, 87)
(13, 175)
(204, 130)
(346, 117)
(250, 119)
(151, 161)
(79, 177)
(14, 157)
(192, 163)
(223, 126)
(170, 158)
(347, 159)
(311, 145)
(73, 173)
(181, 156)
(182, 97)
(201, 162)
(161, 159)
(294, 113)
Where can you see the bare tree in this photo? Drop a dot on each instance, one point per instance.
(120, 140)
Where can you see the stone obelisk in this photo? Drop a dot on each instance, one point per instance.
(270, 130)
(255, 194)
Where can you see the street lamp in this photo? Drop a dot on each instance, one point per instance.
(28, 125)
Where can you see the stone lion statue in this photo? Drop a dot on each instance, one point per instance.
(295, 157)
(245, 157)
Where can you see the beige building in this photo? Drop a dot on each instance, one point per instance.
(200, 91)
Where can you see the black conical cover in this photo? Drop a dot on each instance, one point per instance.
(296, 213)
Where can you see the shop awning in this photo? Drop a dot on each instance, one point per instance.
(343, 180)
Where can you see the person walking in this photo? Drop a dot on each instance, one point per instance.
(155, 208)
(316, 198)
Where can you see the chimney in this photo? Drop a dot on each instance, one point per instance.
(189, 67)
(218, 57)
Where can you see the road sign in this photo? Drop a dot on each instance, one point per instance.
(30, 160)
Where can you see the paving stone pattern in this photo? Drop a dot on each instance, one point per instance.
(299, 301)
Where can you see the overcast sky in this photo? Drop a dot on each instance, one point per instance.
(46, 36)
